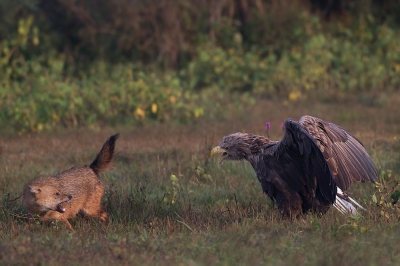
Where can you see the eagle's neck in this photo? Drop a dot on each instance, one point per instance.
(252, 146)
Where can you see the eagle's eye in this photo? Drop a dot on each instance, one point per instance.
(224, 153)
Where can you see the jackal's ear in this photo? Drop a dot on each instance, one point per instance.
(34, 189)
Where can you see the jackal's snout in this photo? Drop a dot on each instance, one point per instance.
(60, 207)
(44, 197)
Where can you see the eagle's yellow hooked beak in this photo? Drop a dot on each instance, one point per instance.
(217, 150)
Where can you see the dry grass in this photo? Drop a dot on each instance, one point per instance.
(219, 215)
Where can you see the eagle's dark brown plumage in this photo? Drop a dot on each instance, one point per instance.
(303, 170)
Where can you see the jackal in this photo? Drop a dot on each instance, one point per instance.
(79, 189)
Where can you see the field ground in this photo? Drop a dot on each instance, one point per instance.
(210, 214)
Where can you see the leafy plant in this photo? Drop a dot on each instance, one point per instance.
(386, 195)
(172, 190)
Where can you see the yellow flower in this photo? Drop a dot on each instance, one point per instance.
(35, 41)
(218, 70)
(294, 95)
(154, 108)
(139, 113)
(198, 112)
(56, 117)
(172, 99)
(21, 30)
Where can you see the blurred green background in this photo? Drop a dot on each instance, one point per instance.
(68, 63)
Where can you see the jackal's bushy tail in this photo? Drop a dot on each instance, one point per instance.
(103, 159)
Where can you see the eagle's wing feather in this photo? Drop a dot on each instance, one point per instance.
(345, 154)
(297, 160)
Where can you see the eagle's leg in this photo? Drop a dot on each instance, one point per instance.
(320, 208)
(289, 204)
(315, 206)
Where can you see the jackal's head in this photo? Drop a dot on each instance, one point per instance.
(48, 198)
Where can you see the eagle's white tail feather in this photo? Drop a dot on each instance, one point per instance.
(356, 203)
(344, 206)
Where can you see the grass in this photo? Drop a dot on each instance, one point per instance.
(170, 204)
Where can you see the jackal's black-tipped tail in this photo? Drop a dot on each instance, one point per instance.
(103, 159)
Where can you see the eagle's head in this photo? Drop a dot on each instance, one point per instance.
(239, 146)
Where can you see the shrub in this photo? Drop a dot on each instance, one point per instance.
(42, 86)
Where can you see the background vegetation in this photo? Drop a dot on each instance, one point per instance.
(71, 63)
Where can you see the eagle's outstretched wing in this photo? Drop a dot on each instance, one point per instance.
(346, 156)
(297, 160)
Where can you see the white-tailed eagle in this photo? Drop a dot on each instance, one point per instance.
(309, 169)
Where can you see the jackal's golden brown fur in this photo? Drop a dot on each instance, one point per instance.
(78, 189)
